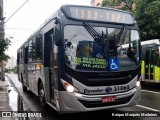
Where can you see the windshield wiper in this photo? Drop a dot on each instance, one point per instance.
(122, 34)
(100, 40)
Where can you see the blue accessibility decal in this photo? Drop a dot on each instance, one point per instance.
(113, 64)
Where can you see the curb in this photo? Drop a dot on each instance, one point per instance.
(4, 100)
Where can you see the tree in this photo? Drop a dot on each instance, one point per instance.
(120, 4)
(148, 17)
(4, 43)
(146, 12)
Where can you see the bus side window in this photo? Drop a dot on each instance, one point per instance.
(142, 53)
(30, 51)
(33, 49)
(157, 58)
(18, 58)
(147, 56)
(39, 47)
(154, 56)
(26, 55)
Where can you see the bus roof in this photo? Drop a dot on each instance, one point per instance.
(148, 42)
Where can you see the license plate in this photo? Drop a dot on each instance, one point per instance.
(108, 99)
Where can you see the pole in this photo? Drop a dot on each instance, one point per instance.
(1, 17)
(2, 32)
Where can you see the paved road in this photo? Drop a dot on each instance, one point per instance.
(149, 103)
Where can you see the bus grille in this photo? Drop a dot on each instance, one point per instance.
(92, 104)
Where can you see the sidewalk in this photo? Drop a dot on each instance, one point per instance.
(4, 99)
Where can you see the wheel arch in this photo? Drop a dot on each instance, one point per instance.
(21, 78)
(39, 83)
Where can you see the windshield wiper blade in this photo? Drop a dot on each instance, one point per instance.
(122, 35)
(94, 34)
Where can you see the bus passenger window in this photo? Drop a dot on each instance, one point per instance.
(30, 51)
(39, 47)
(18, 57)
(157, 58)
(34, 49)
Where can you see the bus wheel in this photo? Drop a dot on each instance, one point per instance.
(41, 93)
(23, 87)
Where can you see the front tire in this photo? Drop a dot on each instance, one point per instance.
(41, 93)
(24, 88)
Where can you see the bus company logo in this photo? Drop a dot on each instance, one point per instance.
(108, 89)
(6, 114)
(98, 90)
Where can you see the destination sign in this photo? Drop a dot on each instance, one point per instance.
(100, 14)
(88, 62)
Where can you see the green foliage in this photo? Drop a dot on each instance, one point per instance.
(117, 4)
(111, 3)
(1, 88)
(13, 70)
(4, 44)
(146, 12)
(148, 18)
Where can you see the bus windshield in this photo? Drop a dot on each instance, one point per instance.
(83, 52)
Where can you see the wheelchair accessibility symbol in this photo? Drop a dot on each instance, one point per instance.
(113, 64)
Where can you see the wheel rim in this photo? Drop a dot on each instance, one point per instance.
(41, 95)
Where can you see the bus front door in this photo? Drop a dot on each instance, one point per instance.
(147, 64)
(154, 67)
(150, 63)
(53, 70)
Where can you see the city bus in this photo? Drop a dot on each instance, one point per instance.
(76, 61)
(150, 61)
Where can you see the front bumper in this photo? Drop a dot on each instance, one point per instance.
(76, 102)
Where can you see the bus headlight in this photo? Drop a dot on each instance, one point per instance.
(138, 83)
(68, 87)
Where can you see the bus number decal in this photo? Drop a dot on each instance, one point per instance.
(95, 15)
(89, 14)
(82, 13)
(122, 87)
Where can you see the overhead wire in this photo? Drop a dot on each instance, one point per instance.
(16, 11)
(19, 28)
